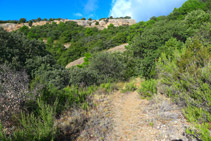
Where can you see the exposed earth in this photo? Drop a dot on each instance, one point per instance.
(126, 117)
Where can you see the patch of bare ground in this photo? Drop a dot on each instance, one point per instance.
(99, 125)
(120, 48)
(126, 117)
(76, 62)
(67, 45)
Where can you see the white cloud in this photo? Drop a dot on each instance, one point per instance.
(91, 15)
(143, 9)
(90, 6)
(78, 14)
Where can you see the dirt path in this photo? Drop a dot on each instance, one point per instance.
(127, 117)
(128, 112)
(146, 120)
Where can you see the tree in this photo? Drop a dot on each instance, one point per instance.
(39, 19)
(110, 26)
(97, 23)
(30, 23)
(45, 19)
(22, 20)
(50, 19)
(83, 18)
(127, 17)
(90, 19)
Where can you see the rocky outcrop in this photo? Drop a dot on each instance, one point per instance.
(86, 23)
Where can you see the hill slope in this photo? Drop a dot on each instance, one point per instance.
(120, 48)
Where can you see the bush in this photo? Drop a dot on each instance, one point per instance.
(146, 45)
(195, 19)
(52, 75)
(129, 87)
(186, 78)
(82, 77)
(108, 87)
(97, 23)
(108, 67)
(37, 128)
(22, 20)
(148, 88)
(3, 136)
(13, 93)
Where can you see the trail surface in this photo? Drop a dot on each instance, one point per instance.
(142, 120)
(127, 117)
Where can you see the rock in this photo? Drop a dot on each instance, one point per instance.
(86, 23)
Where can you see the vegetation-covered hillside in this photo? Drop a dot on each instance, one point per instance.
(172, 54)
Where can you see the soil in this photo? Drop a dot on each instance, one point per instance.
(127, 117)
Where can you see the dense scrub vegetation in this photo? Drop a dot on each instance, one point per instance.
(81, 39)
(171, 52)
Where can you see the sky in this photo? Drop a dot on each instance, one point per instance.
(140, 10)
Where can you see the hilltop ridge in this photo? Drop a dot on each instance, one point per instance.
(100, 24)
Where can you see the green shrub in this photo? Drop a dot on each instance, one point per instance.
(148, 88)
(82, 76)
(3, 136)
(97, 23)
(108, 67)
(37, 128)
(108, 87)
(129, 87)
(186, 78)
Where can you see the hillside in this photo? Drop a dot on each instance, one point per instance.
(100, 24)
(156, 88)
(120, 48)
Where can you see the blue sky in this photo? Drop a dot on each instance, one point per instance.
(76, 9)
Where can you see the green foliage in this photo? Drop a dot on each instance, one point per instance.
(195, 19)
(8, 21)
(186, 78)
(171, 44)
(50, 41)
(24, 29)
(66, 97)
(148, 88)
(103, 68)
(129, 87)
(30, 23)
(22, 20)
(37, 128)
(82, 76)
(108, 67)
(188, 6)
(110, 26)
(82, 39)
(51, 75)
(146, 45)
(16, 49)
(97, 23)
(86, 62)
(39, 19)
(108, 87)
(31, 35)
(3, 136)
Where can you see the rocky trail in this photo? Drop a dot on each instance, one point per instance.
(127, 117)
